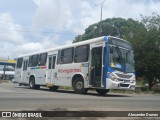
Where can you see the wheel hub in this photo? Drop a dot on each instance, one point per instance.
(79, 85)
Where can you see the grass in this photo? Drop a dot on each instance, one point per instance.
(66, 88)
(140, 83)
(145, 90)
(141, 90)
(4, 81)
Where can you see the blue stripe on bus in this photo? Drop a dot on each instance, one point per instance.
(105, 68)
(106, 62)
(106, 38)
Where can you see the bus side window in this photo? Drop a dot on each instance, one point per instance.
(29, 63)
(81, 54)
(53, 62)
(67, 55)
(59, 57)
(34, 60)
(19, 62)
(50, 63)
(26, 65)
(42, 59)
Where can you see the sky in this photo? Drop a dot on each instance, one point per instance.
(33, 25)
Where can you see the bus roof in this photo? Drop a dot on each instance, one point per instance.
(72, 45)
(66, 46)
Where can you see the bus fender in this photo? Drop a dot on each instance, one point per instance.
(79, 75)
(32, 75)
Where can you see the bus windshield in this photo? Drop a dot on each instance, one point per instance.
(121, 58)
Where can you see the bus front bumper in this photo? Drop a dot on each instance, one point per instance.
(110, 84)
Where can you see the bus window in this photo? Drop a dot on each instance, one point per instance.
(34, 60)
(59, 57)
(30, 59)
(19, 62)
(50, 63)
(81, 54)
(67, 55)
(53, 63)
(42, 59)
(25, 63)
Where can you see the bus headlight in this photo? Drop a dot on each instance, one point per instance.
(112, 76)
(133, 79)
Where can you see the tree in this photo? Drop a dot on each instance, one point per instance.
(115, 27)
(147, 49)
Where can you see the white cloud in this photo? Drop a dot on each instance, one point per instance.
(76, 15)
(9, 30)
(13, 41)
(53, 14)
(129, 8)
(15, 50)
(63, 15)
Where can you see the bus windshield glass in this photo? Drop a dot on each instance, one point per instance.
(121, 57)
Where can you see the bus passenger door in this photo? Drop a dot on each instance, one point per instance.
(96, 68)
(51, 75)
(24, 74)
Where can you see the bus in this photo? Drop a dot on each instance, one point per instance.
(101, 63)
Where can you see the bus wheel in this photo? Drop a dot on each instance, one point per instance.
(32, 83)
(37, 86)
(19, 84)
(78, 86)
(102, 91)
(54, 88)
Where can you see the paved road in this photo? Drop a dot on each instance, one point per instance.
(14, 97)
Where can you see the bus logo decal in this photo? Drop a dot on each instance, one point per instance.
(69, 70)
(39, 67)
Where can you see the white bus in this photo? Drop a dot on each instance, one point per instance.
(101, 63)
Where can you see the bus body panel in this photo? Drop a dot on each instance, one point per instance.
(65, 72)
(39, 73)
(18, 74)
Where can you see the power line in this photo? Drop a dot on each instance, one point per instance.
(63, 32)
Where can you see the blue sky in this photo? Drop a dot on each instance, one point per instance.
(33, 25)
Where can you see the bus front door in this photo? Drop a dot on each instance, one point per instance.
(51, 70)
(96, 70)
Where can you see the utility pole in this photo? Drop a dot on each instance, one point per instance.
(100, 31)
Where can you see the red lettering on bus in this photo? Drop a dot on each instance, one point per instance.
(69, 70)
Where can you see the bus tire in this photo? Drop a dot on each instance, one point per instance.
(20, 84)
(102, 91)
(37, 86)
(32, 83)
(54, 88)
(78, 86)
